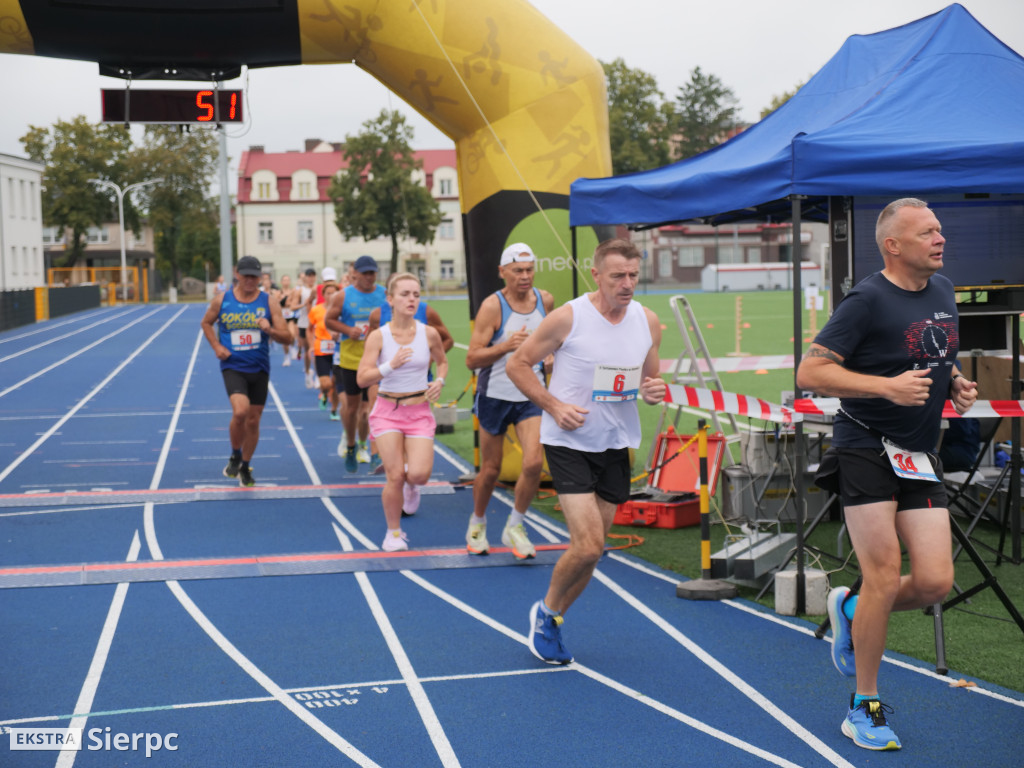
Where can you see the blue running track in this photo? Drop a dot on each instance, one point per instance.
(143, 593)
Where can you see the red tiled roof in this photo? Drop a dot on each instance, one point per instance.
(323, 164)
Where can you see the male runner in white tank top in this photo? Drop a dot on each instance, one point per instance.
(606, 356)
(503, 322)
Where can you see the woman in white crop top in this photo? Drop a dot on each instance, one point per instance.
(397, 357)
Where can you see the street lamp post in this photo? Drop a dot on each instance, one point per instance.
(120, 218)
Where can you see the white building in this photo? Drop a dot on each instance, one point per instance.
(285, 219)
(21, 224)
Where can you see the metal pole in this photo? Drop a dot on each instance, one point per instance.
(124, 264)
(225, 206)
(798, 427)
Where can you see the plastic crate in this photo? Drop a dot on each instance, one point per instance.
(658, 514)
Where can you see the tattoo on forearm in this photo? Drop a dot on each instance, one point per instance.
(828, 354)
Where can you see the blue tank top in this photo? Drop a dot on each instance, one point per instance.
(421, 313)
(356, 311)
(238, 330)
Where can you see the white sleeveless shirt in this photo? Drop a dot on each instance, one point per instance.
(599, 367)
(412, 376)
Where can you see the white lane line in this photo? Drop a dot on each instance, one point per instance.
(66, 758)
(232, 652)
(725, 673)
(604, 680)
(64, 419)
(64, 336)
(314, 477)
(85, 349)
(52, 326)
(431, 722)
(419, 695)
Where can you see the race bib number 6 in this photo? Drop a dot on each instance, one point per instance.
(247, 338)
(616, 384)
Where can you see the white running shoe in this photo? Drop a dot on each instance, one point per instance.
(476, 539)
(310, 379)
(363, 454)
(514, 536)
(410, 499)
(395, 541)
(286, 362)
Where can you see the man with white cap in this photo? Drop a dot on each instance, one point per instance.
(505, 319)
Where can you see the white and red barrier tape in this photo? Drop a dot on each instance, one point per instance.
(755, 408)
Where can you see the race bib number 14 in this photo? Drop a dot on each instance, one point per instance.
(912, 465)
(616, 384)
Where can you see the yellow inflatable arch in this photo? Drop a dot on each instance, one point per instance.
(524, 104)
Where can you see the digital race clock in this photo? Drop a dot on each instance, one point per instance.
(193, 107)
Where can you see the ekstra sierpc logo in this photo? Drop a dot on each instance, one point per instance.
(57, 739)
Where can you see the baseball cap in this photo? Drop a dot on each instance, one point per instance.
(365, 264)
(328, 274)
(249, 265)
(516, 252)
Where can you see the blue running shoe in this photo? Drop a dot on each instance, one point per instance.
(545, 636)
(376, 464)
(842, 638)
(867, 726)
(351, 465)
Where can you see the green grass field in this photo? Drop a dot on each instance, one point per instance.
(981, 640)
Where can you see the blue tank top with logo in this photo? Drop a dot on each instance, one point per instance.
(239, 331)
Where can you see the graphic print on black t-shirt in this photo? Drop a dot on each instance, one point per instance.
(930, 339)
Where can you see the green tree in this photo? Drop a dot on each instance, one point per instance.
(706, 113)
(73, 152)
(639, 119)
(376, 193)
(779, 99)
(184, 219)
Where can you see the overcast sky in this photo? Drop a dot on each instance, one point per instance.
(758, 49)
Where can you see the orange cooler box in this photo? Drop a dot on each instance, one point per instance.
(674, 502)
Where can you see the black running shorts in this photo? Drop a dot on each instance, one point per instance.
(605, 473)
(865, 476)
(253, 385)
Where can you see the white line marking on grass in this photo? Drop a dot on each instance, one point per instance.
(66, 758)
(67, 416)
(208, 627)
(86, 348)
(604, 680)
(58, 338)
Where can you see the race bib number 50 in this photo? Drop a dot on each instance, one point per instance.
(616, 384)
(248, 338)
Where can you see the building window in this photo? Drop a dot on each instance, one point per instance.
(665, 263)
(24, 199)
(53, 236)
(263, 190)
(137, 240)
(446, 230)
(33, 199)
(10, 196)
(97, 235)
(730, 254)
(305, 231)
(266, 231)
(754, 255)
(447, 269)
(305, 190)
(691, 256)
(444, 187)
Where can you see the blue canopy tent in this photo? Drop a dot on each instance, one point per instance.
(934, 106)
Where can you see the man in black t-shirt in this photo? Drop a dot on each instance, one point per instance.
(888, 352)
